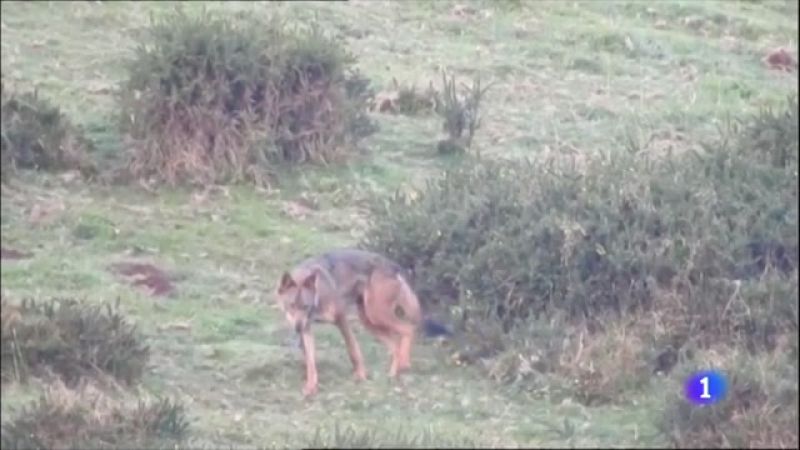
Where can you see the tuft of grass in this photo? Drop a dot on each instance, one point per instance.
(772, 134)
(36, 135)
(88, 418)
(352, 437)
(411, 102)
(70, 339)
(460, 112)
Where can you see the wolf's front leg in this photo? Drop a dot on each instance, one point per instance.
(307, 339)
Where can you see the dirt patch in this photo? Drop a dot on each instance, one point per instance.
(145, 275)
(10, 253)
(780, 59)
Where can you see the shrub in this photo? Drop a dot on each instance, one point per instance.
(37, 135)
(208, 100)
(599, 277)
(510, 240)
(86, 418)
(70, 339)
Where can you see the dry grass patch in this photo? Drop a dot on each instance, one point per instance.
(87, 417)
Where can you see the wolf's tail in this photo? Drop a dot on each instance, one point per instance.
(433, 328)
(430, 327)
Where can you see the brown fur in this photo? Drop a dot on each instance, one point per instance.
(327, 288)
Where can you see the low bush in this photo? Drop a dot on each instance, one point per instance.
(211, 99)
(70, 339)
(35, 134)
(588, 282)
(87, 418)
(512, 240)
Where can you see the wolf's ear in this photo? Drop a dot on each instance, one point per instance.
(310, 281)
(287, 282)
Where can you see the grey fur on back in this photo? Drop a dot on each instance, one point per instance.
(359, 261)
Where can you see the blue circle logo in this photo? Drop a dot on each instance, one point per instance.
(705, 387)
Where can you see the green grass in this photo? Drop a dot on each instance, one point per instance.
(570, 78)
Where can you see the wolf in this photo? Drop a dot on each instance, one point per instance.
(331, 287)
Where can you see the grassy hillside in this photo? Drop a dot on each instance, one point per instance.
(570, 78)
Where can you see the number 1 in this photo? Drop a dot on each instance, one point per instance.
(704, 382)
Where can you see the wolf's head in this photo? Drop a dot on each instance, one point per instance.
(298, 299)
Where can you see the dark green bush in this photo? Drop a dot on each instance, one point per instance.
(511, 240)
(83, 419)
(70, 339)
(209, 99)
(37, 135)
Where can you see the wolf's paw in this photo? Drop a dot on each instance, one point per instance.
(360, 375)
(309, 390)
